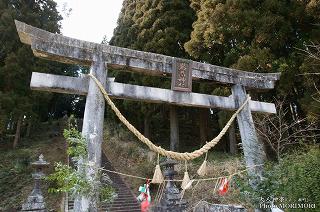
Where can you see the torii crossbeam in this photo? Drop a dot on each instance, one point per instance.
(68, 50)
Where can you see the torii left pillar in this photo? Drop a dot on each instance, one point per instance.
(92, 130)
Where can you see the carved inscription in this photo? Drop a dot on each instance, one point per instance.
(182, 76)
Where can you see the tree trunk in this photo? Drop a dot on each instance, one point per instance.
(232, 139)
(18, 132)
(203, 125)
(146, 128)
(29, 128)
(147, 121)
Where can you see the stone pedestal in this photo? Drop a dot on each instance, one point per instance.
(171, 199)
(206, 207)
(35, 201)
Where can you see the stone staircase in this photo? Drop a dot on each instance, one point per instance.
(124, 202)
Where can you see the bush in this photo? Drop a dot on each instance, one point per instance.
(76, 182)
(295, 179)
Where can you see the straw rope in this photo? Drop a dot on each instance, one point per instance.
(158, 149)
(194, 180)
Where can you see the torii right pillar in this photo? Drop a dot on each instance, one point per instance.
(253, 150)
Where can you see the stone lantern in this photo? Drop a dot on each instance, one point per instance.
(35, 201)
(171, 199)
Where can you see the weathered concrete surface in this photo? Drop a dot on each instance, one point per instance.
(206, 207)
(35, 202)
(68, 50)
(59, 83)
(174, 129)
(92, 130)
(232, 139)
(254, 154)
(79, 85)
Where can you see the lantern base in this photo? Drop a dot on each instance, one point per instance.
(35, 202)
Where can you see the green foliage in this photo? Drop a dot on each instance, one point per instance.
(107, 194)
(15, 175)
(77, 145)
(12, 182)
(17, 62)
(158, 26)
(153, 26)
(72, 122)
(295, 179)
(14, 56)
(261, 36)
(76, 182)
(67, 179)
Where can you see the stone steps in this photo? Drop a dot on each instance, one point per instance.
(124, 202)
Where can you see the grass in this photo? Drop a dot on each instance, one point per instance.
(129, 156)
(126, 155)
(15, 171)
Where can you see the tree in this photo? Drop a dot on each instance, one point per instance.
(155, 26)
(259, 36)
(280, 134)
(17, 102)
(158, 26)
(311, 75)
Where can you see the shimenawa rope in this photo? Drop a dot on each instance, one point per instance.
(195, 180)
(158, 149)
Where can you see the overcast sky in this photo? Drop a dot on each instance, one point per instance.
(89, 20)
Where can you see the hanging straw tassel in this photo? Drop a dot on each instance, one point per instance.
(202, 171)
(157, 176)
(186, 179)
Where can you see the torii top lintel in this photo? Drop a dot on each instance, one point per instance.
(68, 50)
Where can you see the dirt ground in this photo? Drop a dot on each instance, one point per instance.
(15, 171)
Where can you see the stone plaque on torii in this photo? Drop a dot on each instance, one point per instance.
(99, 57)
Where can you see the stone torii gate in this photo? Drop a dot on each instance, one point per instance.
(100, 57)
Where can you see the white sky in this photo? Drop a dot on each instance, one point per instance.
(89, 20)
